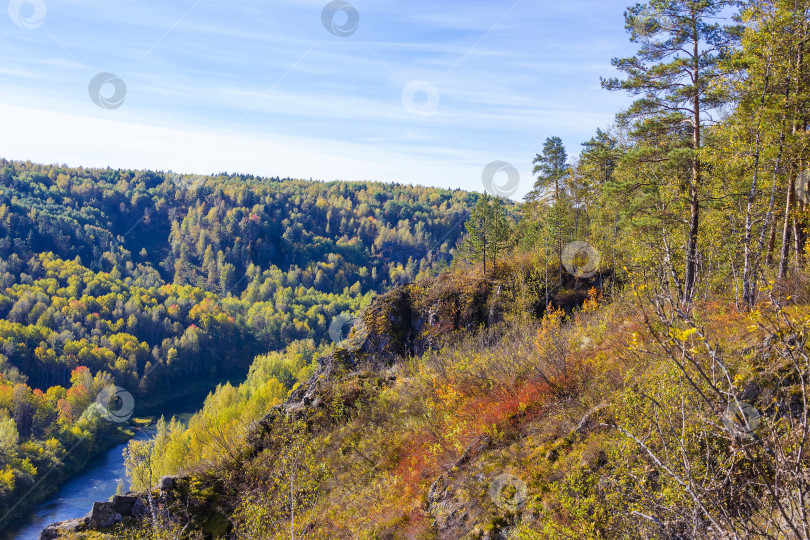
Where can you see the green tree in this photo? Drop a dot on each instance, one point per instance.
(487, 230)
(600, 156)
(551, 168)
(9, 436)
(227, 278)
(679, 58)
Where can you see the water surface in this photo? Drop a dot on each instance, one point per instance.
(98, 481)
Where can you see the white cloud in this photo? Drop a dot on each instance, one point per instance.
(261, 87)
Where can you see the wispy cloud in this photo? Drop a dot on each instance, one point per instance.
(262, 87)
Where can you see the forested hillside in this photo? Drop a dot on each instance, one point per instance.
(154, 257)
(629, 359)
(152, 281)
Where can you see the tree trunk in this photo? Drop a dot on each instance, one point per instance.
(694, 189)
(485, 253)
(772, 217)
(753, 260)
(786, 229)
(771, 242)
(749, 274)
(791, 190)
(798, 238)
(799, 235)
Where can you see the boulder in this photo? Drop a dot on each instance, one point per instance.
(124, 504)
(140, 508)
(104, 515)
(57, 530)
(167, 483)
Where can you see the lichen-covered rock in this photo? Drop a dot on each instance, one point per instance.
(167, 483)
(452, 499)
(57, 530)
(102, 516)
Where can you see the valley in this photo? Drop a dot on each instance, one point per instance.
(615, 345)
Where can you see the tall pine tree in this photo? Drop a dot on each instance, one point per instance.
(682, 44)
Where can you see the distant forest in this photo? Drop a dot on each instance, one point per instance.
(134, 272)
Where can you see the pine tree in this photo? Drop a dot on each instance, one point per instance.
(551, 168)
(487, 230)
(681, 48)
(500, 231)
(553, 171)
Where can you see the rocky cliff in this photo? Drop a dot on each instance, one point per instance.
(405, 323)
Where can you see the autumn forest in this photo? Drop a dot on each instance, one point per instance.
(623, 353)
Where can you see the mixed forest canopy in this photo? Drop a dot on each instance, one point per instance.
(136, 272)
(669, 401)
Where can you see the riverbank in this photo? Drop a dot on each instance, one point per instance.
(99, 479)
(69, 491)
(50, 483)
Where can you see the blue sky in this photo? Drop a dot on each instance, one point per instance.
(419, 92)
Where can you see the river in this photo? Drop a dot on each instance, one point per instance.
(97, 482)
